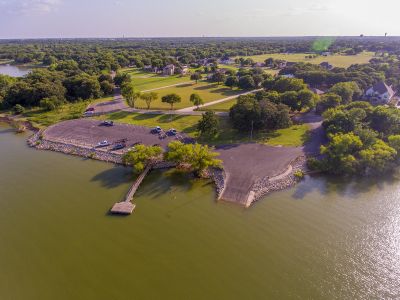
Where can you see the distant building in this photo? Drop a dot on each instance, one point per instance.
(326, 65)
(380, 93)
(326, 53)
(282, 64)
(288, 76)
(259, 65)
(184, 70)
(150, 69)
(169, 70)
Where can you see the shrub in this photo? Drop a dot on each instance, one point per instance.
(18, 109)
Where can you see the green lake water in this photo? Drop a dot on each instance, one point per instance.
(323, 239)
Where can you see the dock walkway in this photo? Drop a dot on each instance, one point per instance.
(126, 207)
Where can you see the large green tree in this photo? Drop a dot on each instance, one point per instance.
(171, 99)
(195, 157)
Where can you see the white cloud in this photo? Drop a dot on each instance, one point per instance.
(29, 7)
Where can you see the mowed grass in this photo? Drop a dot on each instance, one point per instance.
(294, 136)
(207, 91)
(343, 61)
(223, 106)
(144, 81)
(69, 111)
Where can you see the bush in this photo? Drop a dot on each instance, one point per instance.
(299, 174)
(50, 104)
(18, 109)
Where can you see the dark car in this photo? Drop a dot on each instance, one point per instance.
(156, 129)
(118, 147)
(89, 109)
(172, 132)
(107, 123)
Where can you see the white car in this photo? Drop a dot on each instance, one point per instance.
(104, 143)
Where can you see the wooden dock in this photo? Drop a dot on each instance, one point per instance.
(126, 207)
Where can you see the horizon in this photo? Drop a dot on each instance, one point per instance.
(45, 19)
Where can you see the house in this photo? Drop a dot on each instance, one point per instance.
(326, 53)
(226, 61)
(282, 64)
(169, 70)
(326, 65)
(184, 70)
(380, 93)
(259, 65)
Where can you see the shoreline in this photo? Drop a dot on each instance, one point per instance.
(259, 190)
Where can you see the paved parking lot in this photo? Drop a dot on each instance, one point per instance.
(88, 133)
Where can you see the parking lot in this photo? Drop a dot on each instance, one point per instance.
(88, 133)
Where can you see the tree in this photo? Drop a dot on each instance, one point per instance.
(195, 76)
(377, 159)
(171, 99)
(106, 87)
(218, 77)
(149, 97)
(231, 81)
(18, 109)
(196, 100)
(246, 82)
(51, 103)
(340, 153)
(122, 78)
(328, 101)
(208, 125)
(347, 90)
(141, 156)
(283, 84)
(129, 92)
(307, 98)
(195, 157)
(291, 99)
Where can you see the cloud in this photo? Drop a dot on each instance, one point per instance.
(29, 7)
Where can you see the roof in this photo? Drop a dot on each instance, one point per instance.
(382, 88)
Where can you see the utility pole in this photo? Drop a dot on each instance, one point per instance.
(251, 134)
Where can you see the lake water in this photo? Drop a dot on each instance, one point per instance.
(323, 239)
(14, 71)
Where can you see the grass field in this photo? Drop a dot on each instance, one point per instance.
(293, 136)
(224, 106)
(146, 81)
(208, 91)
(343, 61)
(68, 111)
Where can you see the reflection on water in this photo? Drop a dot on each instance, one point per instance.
(326, 238)
(14, 71)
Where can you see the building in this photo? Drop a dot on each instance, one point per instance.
(380, 93)
(282, 64)
(169, 70)
(184, 70)
(326, 65)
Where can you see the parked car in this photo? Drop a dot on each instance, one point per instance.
(156, 129)
(172, 131)
(118, 147)
(107, 123)
(104, 143)
(88, 113)
(90, 109)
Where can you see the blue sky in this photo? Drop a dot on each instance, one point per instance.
(160, 18)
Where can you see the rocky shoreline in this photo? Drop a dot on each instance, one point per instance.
(261, 188)
(280, 182)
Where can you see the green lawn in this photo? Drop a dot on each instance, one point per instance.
(343, 61)
(224, 106)
(293, 136)
(68, 111)
(208, 91)
(146, 81)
